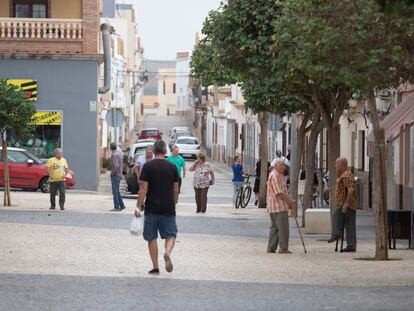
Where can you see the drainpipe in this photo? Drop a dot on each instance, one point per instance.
(106, 38)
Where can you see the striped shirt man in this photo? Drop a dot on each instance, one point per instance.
(276, 185)
(278, 206)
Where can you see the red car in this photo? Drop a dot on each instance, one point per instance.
(28, 172)
(150, 133)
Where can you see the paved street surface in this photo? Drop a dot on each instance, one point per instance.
(84, 258)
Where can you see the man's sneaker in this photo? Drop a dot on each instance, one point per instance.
(154, 271)
(52, 208)
(122, 208)
(114, 210)
(334, 238)
(168, 263)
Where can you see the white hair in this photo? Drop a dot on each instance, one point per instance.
(279, 160)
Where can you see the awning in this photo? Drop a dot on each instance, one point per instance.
(402, 114)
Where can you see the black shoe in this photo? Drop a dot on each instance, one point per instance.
(334, 238)
(256, 202)
(122, 208)
(154, 271)
(198, 212)
(62, 208)
(52, 208)
(348, 250)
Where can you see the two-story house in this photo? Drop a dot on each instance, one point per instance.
(50, 48)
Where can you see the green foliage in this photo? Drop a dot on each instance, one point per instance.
(16, 112)
(237, 47)
(346, 44)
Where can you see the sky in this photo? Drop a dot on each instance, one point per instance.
(169, 26)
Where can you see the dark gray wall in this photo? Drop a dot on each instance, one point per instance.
(69, 86)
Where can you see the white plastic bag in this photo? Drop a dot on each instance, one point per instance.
(137, 225)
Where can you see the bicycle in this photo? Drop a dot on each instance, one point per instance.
(244, 192)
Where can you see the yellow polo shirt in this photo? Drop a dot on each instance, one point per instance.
(56, 169)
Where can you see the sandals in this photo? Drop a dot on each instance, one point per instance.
(168, 263)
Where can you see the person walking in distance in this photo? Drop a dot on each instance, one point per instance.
(345, 214)
(203, 179)
(278, 206)
(256, 187)
(57, 169)
(116, 176)
(179, 162)
(237, 176)
(287, 166)
(159, 189)
(142, 159)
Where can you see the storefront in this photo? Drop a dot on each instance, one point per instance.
(64, 90)
(46, 137)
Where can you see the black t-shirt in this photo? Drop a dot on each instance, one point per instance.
(161, 176)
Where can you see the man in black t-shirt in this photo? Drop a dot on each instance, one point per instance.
(159, 188)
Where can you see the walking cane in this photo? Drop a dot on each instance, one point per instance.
(300, 234)
(342, 234)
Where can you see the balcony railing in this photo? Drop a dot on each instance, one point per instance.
(37, 28)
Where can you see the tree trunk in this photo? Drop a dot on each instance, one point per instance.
(6, 200)
(379, 182)
(263, 154)
(334, 141)
(295, 167)
(316, 128)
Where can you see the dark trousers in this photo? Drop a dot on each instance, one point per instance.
(279, 231)
(347, 221)
(201, 199)
(116, 193)
(56, 186)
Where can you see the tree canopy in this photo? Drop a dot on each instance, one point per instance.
(237, 47)
(16, 111)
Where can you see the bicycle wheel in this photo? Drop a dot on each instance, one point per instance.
(239, 198)
(247, 193)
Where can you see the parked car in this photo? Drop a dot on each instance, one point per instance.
(26, 171)
(150, 133)
(179, 129)
(188, 146)
(134, 152)
(179, 132)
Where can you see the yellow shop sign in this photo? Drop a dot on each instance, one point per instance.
(47, 118)
(26, 85)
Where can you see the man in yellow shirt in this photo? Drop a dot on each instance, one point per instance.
(57, 168)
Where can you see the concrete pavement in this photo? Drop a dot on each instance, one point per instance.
(84, 258)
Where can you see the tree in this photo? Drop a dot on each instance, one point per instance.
(306, 31)
(237, 47)
(16, 112)
(350, 47)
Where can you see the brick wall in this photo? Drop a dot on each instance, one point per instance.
(91, 31)
(91, 12)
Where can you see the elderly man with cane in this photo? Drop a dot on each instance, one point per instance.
(344, 216)
(278, 206)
